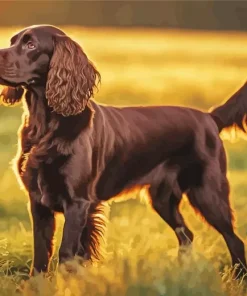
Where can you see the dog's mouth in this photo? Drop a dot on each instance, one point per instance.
(5, 82)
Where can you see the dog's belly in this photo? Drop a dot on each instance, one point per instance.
(143, 169)
(119, 176)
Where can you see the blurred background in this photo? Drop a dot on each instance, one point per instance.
(189, 53)
(198, 15)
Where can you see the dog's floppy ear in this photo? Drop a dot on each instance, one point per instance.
(72, 78)
(11, 95)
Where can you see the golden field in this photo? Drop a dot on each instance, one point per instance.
(138, 67)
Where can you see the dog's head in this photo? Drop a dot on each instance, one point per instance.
(44, 56)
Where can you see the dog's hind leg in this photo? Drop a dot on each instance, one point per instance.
(165, 201)
(211, 199)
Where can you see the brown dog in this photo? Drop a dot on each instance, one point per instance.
(75, 154)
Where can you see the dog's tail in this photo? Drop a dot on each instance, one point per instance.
(232, 114)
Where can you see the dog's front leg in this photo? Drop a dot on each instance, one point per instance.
(76, 214)
(43, 232)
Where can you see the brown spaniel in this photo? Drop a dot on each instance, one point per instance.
(75, 154)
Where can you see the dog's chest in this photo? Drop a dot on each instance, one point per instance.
(51, 183)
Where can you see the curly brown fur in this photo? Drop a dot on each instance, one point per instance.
(70, 73)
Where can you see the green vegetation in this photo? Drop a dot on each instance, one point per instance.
(137, 67)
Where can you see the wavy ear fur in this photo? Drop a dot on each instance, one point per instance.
(72, 78)
(11, 95)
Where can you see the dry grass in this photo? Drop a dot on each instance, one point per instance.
(137, 67)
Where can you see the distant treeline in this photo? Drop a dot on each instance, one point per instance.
(204, 15)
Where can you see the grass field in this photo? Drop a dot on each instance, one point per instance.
(138, 67)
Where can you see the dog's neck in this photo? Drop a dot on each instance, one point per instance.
(38, 112)
(70, 127)
(42, 118)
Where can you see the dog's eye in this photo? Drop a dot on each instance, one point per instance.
(30, 45)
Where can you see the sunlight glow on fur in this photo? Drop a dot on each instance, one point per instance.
(134, 192)
(234, 134)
